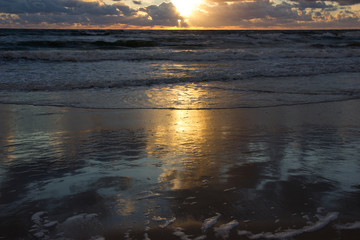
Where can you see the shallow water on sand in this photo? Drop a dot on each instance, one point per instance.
(182, 174)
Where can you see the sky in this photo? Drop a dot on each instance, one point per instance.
(168, 14)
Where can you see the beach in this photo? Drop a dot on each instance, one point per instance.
(243, 173)
(169, 134)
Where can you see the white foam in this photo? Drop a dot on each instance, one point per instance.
(42, 225)
(37, 217)
(323, 221)
(230, 189)
(349, 226)
(209, 222)
(179, 232)
(168, 222)
(158, 219)
(202, 237)
(81, 226)
(50, 224)
(176, 55)
(164, 221)
(224, 230)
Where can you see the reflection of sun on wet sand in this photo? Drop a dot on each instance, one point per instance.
(181, 143)
(187, 143)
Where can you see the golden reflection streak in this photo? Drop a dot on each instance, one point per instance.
(7, 138)
(125, 207)
(183, 144)
(9, 150)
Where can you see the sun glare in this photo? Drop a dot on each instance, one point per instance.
(185, 7)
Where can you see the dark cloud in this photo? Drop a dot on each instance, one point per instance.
(164, 14)
(57, 6)
(302, 5)
(137, 2)
(68, 12)
(340, 2)
(29, 6)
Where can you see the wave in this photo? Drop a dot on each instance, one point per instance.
(125, 104)
(172, 55)
(182, 68)
(96, 81)
(86, 44)
(94, 39)
(341, 45)
(152, 94)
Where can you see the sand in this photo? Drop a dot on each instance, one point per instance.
(278, 172)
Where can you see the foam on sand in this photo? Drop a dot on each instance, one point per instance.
(179, 232)
(349, 226)
(224, 230)
(322, 222)
(209, 222)
(42, 226)
(230, 189)
(164, 221)
(75, 227)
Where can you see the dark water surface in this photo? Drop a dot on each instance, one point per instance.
(262, 173)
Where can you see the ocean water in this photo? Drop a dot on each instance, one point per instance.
(175, 134)
(178, 69)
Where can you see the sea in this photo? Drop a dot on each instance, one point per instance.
(115, 69)
(179, 134)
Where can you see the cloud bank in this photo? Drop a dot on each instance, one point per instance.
(283, 14)
(289, 14)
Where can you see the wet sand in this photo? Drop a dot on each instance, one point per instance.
(69, 173)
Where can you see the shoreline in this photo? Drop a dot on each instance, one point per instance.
(184, 109)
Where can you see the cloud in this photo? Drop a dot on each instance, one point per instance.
(164, 14)
(253, 14)
(86, 13)
(340, 2)
(57, 6)
(302, 5)
(270, 14)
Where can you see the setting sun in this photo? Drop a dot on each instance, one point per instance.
(185, 7)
